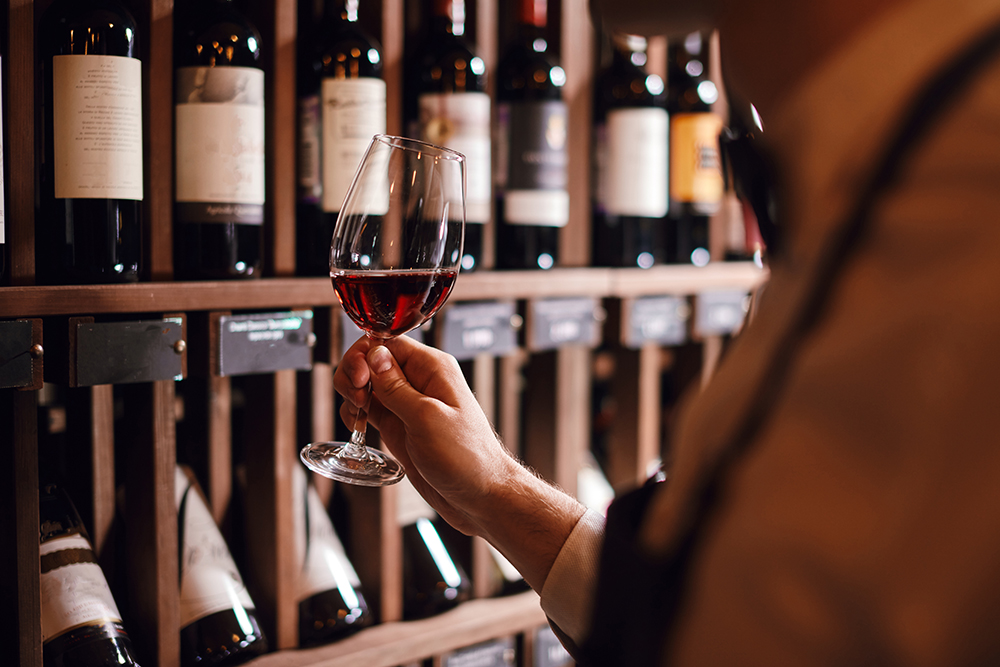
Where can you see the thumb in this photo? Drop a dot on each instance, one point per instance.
(390, 385)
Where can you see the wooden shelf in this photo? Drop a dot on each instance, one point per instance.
(160, 297)
(391, 644)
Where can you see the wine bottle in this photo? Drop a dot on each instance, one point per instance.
(331, 603)
(433, 580)
(352, 98)
(630, 155)
(531, 164)
(311, 248)
(218, 625)
(695, 164)
(454, 111)
(91, 176)
(219, 144)
(81, 624)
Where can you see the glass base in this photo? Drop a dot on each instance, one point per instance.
(374, 468)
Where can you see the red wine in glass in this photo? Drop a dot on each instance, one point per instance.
(385, 304)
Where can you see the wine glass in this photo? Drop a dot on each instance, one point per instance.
(394, 258)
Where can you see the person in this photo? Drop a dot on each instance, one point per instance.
(832, 493)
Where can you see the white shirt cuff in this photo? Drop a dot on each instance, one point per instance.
(568, 593)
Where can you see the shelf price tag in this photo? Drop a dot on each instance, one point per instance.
(476, 328)
(20, 354)
(128, 352)
(548, 651)
(495, 653)
(658, 319)
(351, 333)
(720, 312)
(265, 342)
(555, 323)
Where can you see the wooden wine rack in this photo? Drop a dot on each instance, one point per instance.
(555, 438)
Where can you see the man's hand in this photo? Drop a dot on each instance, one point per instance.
(431, 422)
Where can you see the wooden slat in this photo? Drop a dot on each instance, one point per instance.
(270, 454)
(393, 31)
(158, 112)
(322, 419)
(285, 292)
(21, 632)
(392, 644)
(539, 429)
(151, 524)
(572, 414)
(487, 48)
(219, 451)
(377, 546)
(102, 465)
(281, 138)
(578, 61)
(510, 385)
(19, 142)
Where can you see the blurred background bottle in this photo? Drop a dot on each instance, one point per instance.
(531, 164)
(219, 139)
(448, 106)
(89, 227)
(695, 164)
(630, 158)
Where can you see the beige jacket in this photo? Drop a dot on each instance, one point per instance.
(864, 526)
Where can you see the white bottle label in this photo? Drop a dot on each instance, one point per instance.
(220, 138)
(97, 127)
(73, 591)
(461, 121)
(634, 178)
(210, 581)
(410, 505)
(353, 112)
(324, 562)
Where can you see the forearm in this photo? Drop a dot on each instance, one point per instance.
(528, 520)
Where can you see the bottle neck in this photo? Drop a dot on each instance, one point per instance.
(342, 10)
(629, 49)
(449, 16)
(533, 13)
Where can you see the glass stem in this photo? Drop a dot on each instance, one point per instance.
(355, 448)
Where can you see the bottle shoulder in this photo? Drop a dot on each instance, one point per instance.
(447, 64)
(106, 28)
(347, 51)
(224, 37)
(526, 74)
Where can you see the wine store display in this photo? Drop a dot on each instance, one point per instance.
(453, 110)
(218, 621)
(630, 160)
(219, 144)
(331, 602)
(91, 179)
(433, 580)
(531, 165)
(81, 624)
(695, 164)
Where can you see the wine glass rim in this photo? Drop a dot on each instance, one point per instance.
(416, 145)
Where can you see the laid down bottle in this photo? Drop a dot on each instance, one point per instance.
(219, 144)
(531, 165)
(89, 227)
(630, 155)
(433, 580)
(81, 624)
(218, 622)
(331, 603)
(453, 110)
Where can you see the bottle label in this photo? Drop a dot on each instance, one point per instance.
(695, 164)
(220, 144)
(461, 121)
(210, 581)
(324, 561)
(632, 178)
(310, 133)
(532, 161)
(353, 112)
(410, 505)
(97, 127)
(73, 592)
